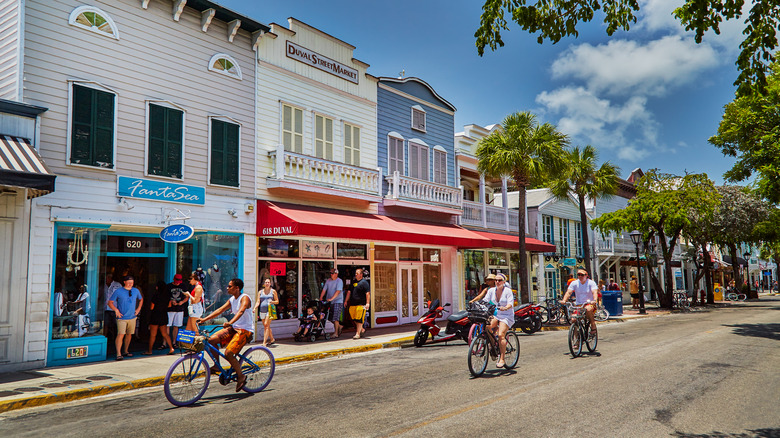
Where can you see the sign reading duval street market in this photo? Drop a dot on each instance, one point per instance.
(323, 63)
(159, 191)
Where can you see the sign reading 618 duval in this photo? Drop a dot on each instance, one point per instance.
(160, 191)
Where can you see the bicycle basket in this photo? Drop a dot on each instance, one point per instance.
(190, 340)
(479, 312)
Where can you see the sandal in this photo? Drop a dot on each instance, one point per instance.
(500, 365)
(171, 352)
(147, 353)
(356, 337)
(119, 358)
(129, 354)
(240, 384)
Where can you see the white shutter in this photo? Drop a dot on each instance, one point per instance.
(439, 167)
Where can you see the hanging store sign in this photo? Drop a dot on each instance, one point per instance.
(159, 191)
(176, 233)
(320, 62)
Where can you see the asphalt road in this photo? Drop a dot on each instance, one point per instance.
(704, 374)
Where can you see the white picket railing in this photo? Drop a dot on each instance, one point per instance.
(495, 218)
(318, 171)
(411, 189)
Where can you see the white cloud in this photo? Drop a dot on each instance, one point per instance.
(621, 66)
(628, 131)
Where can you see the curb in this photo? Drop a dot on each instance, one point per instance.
(95, 391)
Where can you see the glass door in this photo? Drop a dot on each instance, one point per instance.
(410, 293)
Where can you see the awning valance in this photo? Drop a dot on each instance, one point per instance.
(21, 166)
(278, 219)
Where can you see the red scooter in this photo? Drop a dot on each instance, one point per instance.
(458, 325)
(528, 318)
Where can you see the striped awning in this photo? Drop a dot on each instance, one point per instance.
(21, 166)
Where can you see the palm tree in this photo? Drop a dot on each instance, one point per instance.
(527, 152)
(582, 178)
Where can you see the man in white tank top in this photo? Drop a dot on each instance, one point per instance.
(586, 292)
(237, 332)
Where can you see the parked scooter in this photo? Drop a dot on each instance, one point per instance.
(528, 318)
(458, 325)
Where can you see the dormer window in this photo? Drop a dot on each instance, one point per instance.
(226, 65)
(418, 118)
(93, 20)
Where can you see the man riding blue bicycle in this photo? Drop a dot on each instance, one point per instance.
(587, 293)
(237, 332)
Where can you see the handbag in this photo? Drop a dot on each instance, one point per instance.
(272, 312)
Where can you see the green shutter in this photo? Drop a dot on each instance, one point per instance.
(224, 153)
(92, 131)
(165, 141)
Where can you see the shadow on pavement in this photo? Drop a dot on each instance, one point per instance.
(495, 372)
(769, 331)
(753, 433)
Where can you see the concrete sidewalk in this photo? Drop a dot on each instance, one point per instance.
(24, 389)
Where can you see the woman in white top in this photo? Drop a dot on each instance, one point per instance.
(195, 308)
(504, 319)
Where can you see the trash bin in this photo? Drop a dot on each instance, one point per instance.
(613, 302)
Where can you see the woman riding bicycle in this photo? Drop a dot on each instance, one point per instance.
(504, 299)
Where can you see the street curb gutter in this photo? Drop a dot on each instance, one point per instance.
(95, 391)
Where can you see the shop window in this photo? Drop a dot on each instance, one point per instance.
(563, 244)
(292, 129)
(382, 252)
(497, 259)
(432, 282)
(225, 138)
(284, 279)
(474, 269)
(277, 248)
(431, 255)
(314, 276)
(385, 288)
(166, 141)
(78, 293)
(316, 249)
(92, 135)
(352, 251)
(409, 254)
(217, 262)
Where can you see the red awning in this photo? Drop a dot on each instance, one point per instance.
(511, 242)
(276, 219)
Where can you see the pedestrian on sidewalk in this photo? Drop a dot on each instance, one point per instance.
(158, 320)
(359, 298)
(177, 301)
(195, 308)
(490, 282)
(633, 289)
(265, 298)
(126, 304)
(333, 293)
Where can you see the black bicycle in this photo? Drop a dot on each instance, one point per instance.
(485, 342)
(555, 312)
(579, 332)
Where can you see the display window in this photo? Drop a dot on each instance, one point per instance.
(315, 274)
(409, 254)
(474, 270)
(432, 281)
(284, 279)
(384, 252)
(385, 288)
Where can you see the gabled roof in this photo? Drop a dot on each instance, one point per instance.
(422, 82)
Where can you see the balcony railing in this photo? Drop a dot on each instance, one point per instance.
(615, 244)
(299, 168)
(495, 218)
(426, 192)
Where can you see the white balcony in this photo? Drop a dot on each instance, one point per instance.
(615, 244)
(489, 217)
(414, 193)
(312, 174)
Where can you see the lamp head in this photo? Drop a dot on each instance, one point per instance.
(636, 236)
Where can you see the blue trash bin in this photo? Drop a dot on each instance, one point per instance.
(613, 302)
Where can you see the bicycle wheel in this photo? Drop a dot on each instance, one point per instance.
(475, 331)
(563, 317)
(544, 314)
(591, 343)
(478, 356)
(187, 380)
(512, 350)
(258, 365)
(575, 340)
(420, 337)
(731, 296)
(602, 314)
(537, 320)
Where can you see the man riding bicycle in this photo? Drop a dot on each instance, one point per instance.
(586, 292)
(237, 332)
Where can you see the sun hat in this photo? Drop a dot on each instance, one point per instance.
(490, 277)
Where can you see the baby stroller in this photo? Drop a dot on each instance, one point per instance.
(313, 324)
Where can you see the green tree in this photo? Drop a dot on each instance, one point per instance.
(768, 233)
(527, 152)
(750, 131)
(554, 19)
(662, 208)
(582, 177)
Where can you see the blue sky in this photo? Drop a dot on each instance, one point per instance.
(648, 98)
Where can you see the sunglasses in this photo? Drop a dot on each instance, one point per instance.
(499, 281)
(580, 275)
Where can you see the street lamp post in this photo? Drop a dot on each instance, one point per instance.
(746, 271)
(636, 236)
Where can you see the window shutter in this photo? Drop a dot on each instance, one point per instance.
(231, 154)
(173, 158)
(423, 160)
(414, 160)
(439, 167)
(165, 141)
(92, 130)
(104, 129)
(81, 138)
(224, 153)
(418, 120)
(156, 139)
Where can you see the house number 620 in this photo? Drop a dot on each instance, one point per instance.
(133, 244)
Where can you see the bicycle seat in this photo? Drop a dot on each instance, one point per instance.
(458, 316)
(523, 306)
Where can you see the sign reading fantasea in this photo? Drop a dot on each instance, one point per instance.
(159, 191)
(323, 63)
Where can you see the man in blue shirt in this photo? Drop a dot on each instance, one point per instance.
(332, 291)
(126, 303)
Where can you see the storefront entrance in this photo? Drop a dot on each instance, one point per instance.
(410, 293)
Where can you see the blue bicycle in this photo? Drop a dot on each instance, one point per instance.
(189, 376)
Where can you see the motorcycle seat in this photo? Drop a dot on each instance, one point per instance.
(458, 316)
(523, 306)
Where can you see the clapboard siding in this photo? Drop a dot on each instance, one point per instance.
(284, 80)
(155, 58)
(394, 114)
(9, 49)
